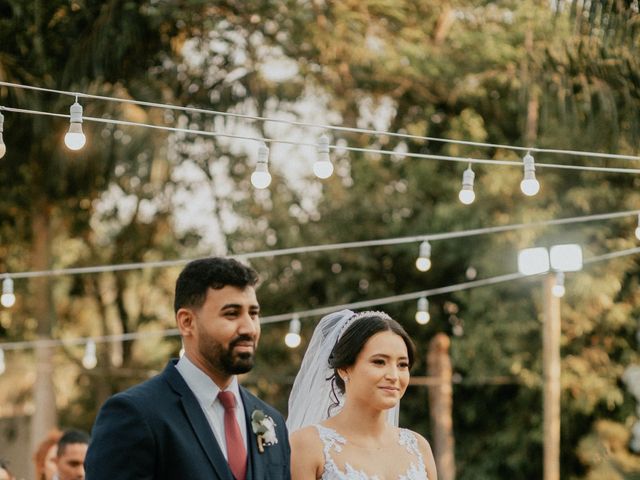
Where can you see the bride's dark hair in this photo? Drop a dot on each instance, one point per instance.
(355, 337)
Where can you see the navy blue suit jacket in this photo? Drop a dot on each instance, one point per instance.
(158, 431)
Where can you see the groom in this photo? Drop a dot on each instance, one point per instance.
(193, 421)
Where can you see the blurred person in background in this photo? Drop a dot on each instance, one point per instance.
(44, 457)
(5, 474)
(72, 449)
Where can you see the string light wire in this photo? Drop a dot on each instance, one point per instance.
(355, 305)
(328, 247)
(376, 151)
(315, 311)
(321, 126)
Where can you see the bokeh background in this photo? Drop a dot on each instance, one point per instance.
(548, 74)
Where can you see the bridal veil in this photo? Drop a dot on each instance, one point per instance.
(310, 396)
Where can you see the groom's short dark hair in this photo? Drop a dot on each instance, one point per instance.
(205, 273)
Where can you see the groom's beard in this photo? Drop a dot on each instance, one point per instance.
(226, 359)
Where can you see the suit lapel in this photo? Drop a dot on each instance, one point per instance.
(199, 423)
(256, 467)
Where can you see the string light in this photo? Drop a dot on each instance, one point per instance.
(529, 185)
(3, 367)
(404, 297)
(327, 247)
(638, 228)
(293, 339)
(89, 361)
(423, 263)
(261, 178)
(631, 171)
(75, 139)
(558, 289)
(510, 277)
(8, 298)
(467, 195)
(180, 108)
(422, 314)
(3, 147)
(322, 167)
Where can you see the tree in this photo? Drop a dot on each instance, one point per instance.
(503, 72)
(105, 48)
(513, 73)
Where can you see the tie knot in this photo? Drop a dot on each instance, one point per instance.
(228, 400)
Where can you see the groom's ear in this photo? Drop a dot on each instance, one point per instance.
(185, 321)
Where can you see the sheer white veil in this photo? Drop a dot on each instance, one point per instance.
(310, 396)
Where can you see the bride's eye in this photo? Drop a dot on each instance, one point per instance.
(378, 361)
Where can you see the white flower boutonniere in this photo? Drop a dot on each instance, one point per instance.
(265, 429)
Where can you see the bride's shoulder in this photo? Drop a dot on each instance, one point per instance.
(421, 442)
(420, 439)
(427, 454)
(307, 437)
(307, 457)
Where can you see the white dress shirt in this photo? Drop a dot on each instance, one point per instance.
(206, 392)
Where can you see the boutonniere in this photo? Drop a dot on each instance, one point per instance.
(265, 429)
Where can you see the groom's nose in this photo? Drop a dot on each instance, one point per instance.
(247, 325)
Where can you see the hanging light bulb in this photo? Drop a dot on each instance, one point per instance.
(322, 167)
(423, 263)
(261, 178)
(293, 339)
(467, 195)
(8, 298)
(638, 228)
(89, 360)
(3, 147)
(422, 314)
(558, 289)
(529, 185)
(3, 367)
(75, 139)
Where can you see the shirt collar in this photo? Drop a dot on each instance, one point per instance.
(205, 389)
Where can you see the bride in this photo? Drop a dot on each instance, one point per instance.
(344, 404)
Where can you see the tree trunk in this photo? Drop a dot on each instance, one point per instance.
(44, 401)
(441, 406)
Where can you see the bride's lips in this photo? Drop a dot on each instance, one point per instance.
(390, 389)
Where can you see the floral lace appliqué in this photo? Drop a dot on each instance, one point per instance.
(332, 440)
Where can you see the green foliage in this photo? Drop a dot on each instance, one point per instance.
(506, 72)
(107, 204)
(606, 454)
(474, 73)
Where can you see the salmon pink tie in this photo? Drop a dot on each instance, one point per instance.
(236, 451)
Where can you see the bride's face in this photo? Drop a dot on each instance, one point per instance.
(380, 375)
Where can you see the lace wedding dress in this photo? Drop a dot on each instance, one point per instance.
(332, 441)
